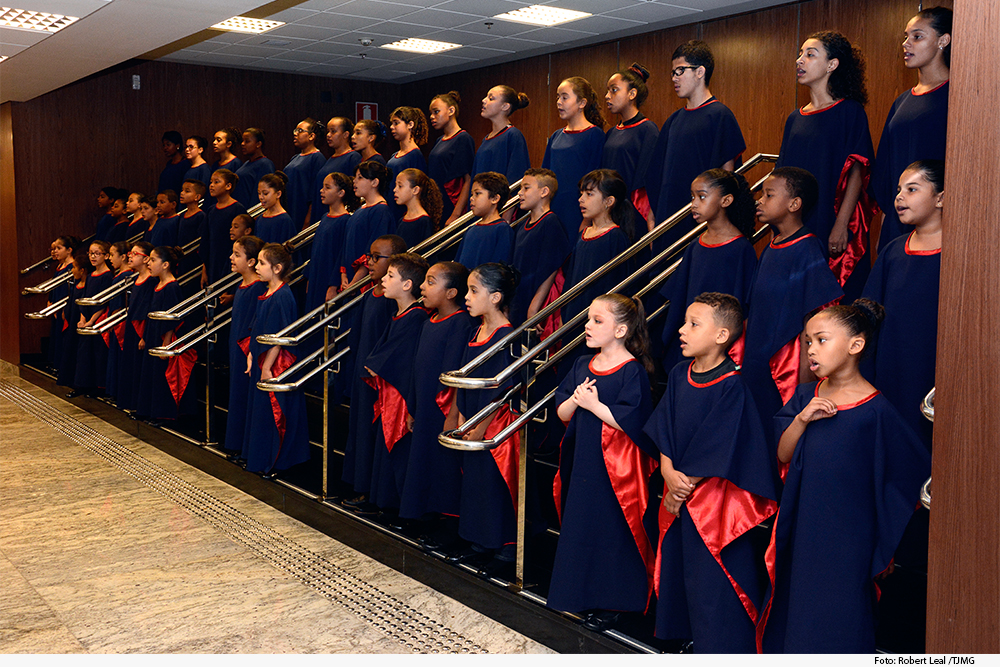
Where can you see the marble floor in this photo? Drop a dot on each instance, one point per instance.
(107, 545)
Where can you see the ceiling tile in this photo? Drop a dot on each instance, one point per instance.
(437, 19)
(603, 24)
(498, 29)
(276, 65)
(375, 10)
(301, 56)
(328, 69)
(222, 59)
(593, 6)
(484, 7)
(321, 5)
(652, 12)
(291, 15)
(332, 48)
(338, 21)
(394, 30)
(303, 31)
(250, 51)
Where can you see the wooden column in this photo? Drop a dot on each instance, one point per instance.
(10, 312)
(963, 598)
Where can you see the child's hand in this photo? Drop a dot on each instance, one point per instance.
(331, 292)
(142, 344)
(225, 299)
(672, 504)
(585, 395)
(249, 364)
(409, 422)
(678, 485)
(371, 372)
(265, 374)
(817, 408)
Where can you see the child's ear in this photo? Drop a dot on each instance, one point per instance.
(544, 192)
(939, 203)
(495, 298)
(795, 204)
(451, 293)
(722, 335)
(407, 285)
(609, 202)
(621, 331)
(857, 345)
(497, 198)
(416, 188)
(727, 201)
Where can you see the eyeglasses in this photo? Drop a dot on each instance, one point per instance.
(679, 71)
(137, 254)
(375, 258)
(96, 253)
(299, 130)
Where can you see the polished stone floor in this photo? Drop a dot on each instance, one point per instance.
(107, 545)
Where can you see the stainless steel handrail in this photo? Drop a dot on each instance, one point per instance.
(927, 405)
(197, 300)
(45, 262)
(48, 285)
(48, 310)
(274, 384)
(108, 294)
(452, 439)
(925, 494)
(106, 324)
(182, 344)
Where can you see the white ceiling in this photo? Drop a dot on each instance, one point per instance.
(321, 37)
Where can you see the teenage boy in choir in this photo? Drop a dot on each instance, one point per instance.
(717, 471)
(391, 366)
(172, 175)
(491, 239)
(792, 279)
(166, 228)
(193, 218)
(702, 136)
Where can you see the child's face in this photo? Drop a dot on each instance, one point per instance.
(775, 202)
(829, 345)
(192, 150)
(530, 194)
(103, 200)
(188, 194)
(267, 195)
(115, 259)
(439, 114)
(699, 334)
(568, 104)
(337, 136)
(77, 271)
(434, 289)
(220, 143)
(132, 205)
(265, 269)
(399, 129)
(97, 255)
(170, 148)
(493, 104)
(157, 267)
(117, 208)
(685, 83)
(250, 144)
(330, 193)
(164, 207)
(378, 259)
(238, 229)
(59, 252)
(707, 201)
(601, 328)
(917, 201)
(217, 186)
(147, 211)
(361, 139)
(619, 96)
(364, 187)
(393, 284)
(480, 202)
(238, 261)
(479, 299)
(404, 191)
(136, 258)
(593, 204)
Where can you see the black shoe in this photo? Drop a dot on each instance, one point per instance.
(366, 509)
(463, 554)
(352, 503)
(154, 422)
(74, 393)
(601, 620)
(233, 456)
(497, 569)
(269, 475)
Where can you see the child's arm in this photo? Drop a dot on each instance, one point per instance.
(94, 317)
(463, 200)
(586, 397)
(454, 419)
(269, 358)
(204, 276)
(539, 299)
(566, 409)
(838, 235)
(679, 485)
(361, 273)
(817, 408)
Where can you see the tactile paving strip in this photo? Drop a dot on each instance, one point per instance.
(411, 628)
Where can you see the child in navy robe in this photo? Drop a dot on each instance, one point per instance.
(368, 135)
(491, 239)
(829, 137)
(114, 337)
(408, 126)
(839, 438)
(165, 229)
(574, 150)
(540, 245)
(721, 259)
(105, 200)
(215, 244)
(629, 145)
(92, 350)
(719, 483)
(198, 169)
(434, 474)
(245, 303)
(137, 225)
(343, 160)
(301, 175)
(223, 143)
(62, 253)
(139, 297)
(193, 219)
(369, 222)
(420, 200)
(604, 559)
(81, 269)
(704, 135)
(275, 224)
(119, 230)
(277, 436)
(253, 169)
(504, 149)
(449, 163)
(792, 280)
(323, 270)
(917, 124)
(391, 364)
(173, 173)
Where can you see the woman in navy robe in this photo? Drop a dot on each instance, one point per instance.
(251, 171)
(328, 242)
(504, 149)
(344, 160)
(449, 163)
(301, 172)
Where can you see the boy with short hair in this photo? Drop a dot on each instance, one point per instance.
(391, 367)
(792, 279)
(702, 136)
(166, 229)
(717, 472)
(491, 239)
(190, 197)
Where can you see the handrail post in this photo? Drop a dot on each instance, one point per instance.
(522, 482)
(324, 494)
(209, 321)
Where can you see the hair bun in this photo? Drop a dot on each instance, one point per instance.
(872, 310)
(454, 94)
(640, 70)
(522, 100)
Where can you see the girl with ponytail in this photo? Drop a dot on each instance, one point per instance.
(450, 161)
(504, 149)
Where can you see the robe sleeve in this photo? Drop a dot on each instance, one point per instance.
(632, 407)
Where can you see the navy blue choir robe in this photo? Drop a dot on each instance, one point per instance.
(202, 173)
(173, 175)
(907, 283)
(375, 313)
(323, 270)
(792, 280)
(393, 360)
(482, 243)
(690, 142)
(119, 232)
(58, 324)
(130, 366)
(604, 558)
(412, 159)
(274, 228)
(104, 226)
(915, 129)
(365, 225)
(137, 227)
(434, 473)
(850, 490)
(345, 164)
(448, 163)
(189, 228)
(488, 507)
(589, 255)
(92, 351)
(250, 173)
(114, 338)
(233, 165)
(827, 143)
(215, 246)
(163, 232)
(628, 149)
(706, 570)
(540, 249)
(245, 303)
(70, 339)
(299, 194)
(416, 230)
(726, 267)
(277, 435)
(572, 155)
(505, 153)
(164, 388)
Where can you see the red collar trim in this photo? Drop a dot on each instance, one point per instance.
(619, 126)
(159, 287)
(397, 154)
(219, 208)
(589, 127)
(460, 131)
(413, 219)
(848, 406)
(143, 281)
(436, 321)
(314, 150)
(186, 216)
(529, 225)
(704, 104)
(816, 111)
(268, 295)
(222, 165)
(610, 371)
(701, 240)
(101, 273)
(383, 203)
(583, 235)
(489, 224)
(489, 138)
(786, 243)
(412, 307)
(919, 253)
(265, 215)
(708, 384)
(913, 91)
(473, 343)
(250, 284)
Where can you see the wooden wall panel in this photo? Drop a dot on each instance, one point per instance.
(9, 303)
(653, 52)
(963, 601)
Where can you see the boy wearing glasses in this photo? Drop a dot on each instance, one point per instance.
(702, 136)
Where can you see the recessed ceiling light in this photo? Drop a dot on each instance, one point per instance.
(25, 19)
(247, 25)
(544, 16)
(420, 46)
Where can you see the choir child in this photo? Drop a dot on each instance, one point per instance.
(223, 143)
(214, 232)
(139, 296)
(105, 200)
(540, 244)
(604, 559)
(392, 364)
(61, 251)
(917, 123)
(719, 483)
(253, 168)
(792, 280)
(574, 150)
(193, 218)
(81, 269)
(92, 351)
(322, 274)
(243, 261)
(839, 438)
(368, 222)
(242, 225)
(829, 138)
(133, 209)
(300, 174)
(115, 337)
(148, 213)
(119, 229)
(421, 201)
(504, 149)
(629, 145)
(165, 228)
(173, 173)
(721, 259)
(198, 169)
(368, 135)
(343, 159)
(701, 136)
(491, 239)
(277, 435)
(408, 126)
(450, 161)
(275, 224)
